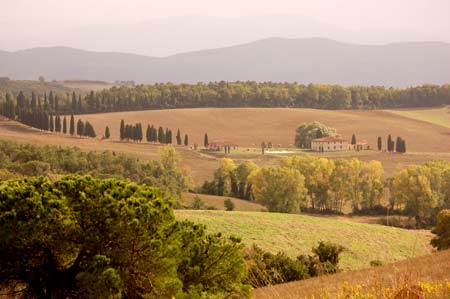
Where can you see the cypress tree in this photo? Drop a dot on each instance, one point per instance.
(186, 140)
(154, 134)
(72, 125)
(166, 140)
(56, 104)
(379, 143)
(353, 139)
(122, 129)
(107, 133)
(80, 128)
(205, 140)
(139, 135)
(398, 145)
(161, 136)
(74, 103)
(80, 105)
(33, 102)
(178, 137)
(389, 144)
(89, 130)
(51, 100)
(52, 124)
(64, 125)
(58, 123)
(148, 133)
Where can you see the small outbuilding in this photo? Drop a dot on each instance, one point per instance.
(219, 145)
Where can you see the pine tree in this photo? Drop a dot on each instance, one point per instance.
(107, 133)
(353, 139)
(186, 140)
(64, 125)
(122, 129)
(80, 128)
(379, 143)
(72, 125)
(205, 140)
(52, 124)
(178, 137)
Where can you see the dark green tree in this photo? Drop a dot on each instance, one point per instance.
(122, 130)
(64, 128)
(107, 133)
(205, 140)
(186, 140)
(51, 126)
(72, 125)
(77, 237)
(80, 128)
(353, 139)
(178, 137)
(379, 143)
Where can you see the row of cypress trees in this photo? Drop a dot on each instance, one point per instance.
(398, 146)
(152, 134)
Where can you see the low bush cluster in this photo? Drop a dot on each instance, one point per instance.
(265, 268)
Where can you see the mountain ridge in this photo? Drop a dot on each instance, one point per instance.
(304, 60)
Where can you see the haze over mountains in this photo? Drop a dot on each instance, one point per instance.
(303, 60)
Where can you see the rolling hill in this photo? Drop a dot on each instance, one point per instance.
(274, 59)
(297, 234)
(431, 268)
(248, 127)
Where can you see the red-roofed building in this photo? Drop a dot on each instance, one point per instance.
(218, 145)
(362, 145)
(329, 144)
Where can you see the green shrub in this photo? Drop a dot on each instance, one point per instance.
(229, 205)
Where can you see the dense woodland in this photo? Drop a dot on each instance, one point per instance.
(324, 185)
(225, 94)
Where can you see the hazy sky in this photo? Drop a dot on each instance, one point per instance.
(23, 20)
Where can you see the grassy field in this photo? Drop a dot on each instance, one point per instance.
(429, 268)
(438, 116)
(297, 234)
(216, 202)
(248, 127)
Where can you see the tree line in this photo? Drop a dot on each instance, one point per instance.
(229, 94)
(152, 134)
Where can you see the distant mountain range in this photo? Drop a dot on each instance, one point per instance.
(307, 60)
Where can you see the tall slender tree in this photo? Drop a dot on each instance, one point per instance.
(52, 123)
(353, 139)
(205, 140)
(379, 143)
(64, 125)
(80, 128)
(107, 133)
(178, 137)
(186, 140)
(72, 125)
(122, 129)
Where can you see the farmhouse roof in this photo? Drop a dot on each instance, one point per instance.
(330, 139)
(362, 142)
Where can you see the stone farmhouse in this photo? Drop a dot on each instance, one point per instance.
(329, 144)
